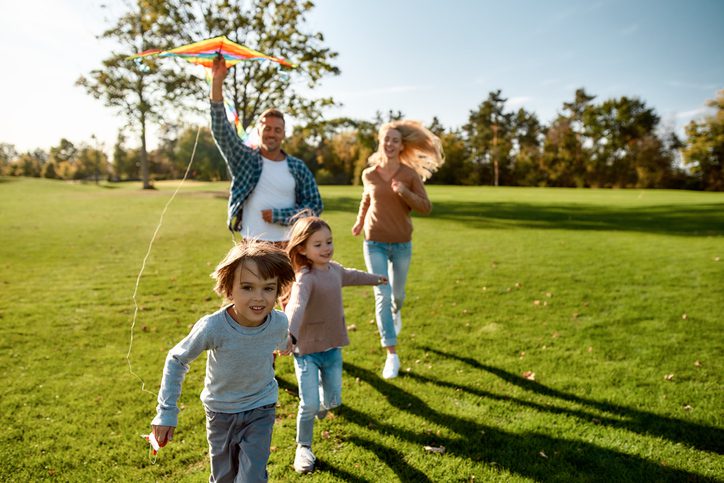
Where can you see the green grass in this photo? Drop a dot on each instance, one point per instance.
(600, 293)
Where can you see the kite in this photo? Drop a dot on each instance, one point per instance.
(204, 52)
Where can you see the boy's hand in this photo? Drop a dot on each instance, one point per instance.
(290, 346)
(163, 434)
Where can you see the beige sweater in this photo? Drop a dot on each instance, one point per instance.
(386, 214)
(315, 310)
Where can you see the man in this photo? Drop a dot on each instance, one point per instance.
(268, 187)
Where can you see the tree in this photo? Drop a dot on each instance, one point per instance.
(489, 136)
(8, 153)
(208, 165)
(30, 163)
(616, 127)
(61, 160)
(527, 136)
(124, 166)
(704, 147)
(274, 27)
(138, 92)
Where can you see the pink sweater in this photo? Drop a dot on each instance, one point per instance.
(315, 310)
(386, 214)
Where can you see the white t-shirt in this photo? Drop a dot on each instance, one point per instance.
(275, 189)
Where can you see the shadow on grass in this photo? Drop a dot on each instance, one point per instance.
(705, 438)
(688, 220)
(564, 460)
(684, 220)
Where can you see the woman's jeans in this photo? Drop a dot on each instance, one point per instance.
(319, 376)
(391, 260)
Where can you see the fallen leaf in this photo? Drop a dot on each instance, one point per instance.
(687, 408)
(590, 349)
(716, 259)
(325, 434)
(273, 448)
(530, 375)
(435, 449)
(352, 327)
(549, 295)
(485, 288)
(522, 354)
(684, 316)
(372, 321)
(669, 377)
(536, 302)
(697, 363)
(543, 454)
(556, 335)
(408, 369)
(517, 285)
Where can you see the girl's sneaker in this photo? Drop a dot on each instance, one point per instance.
(392, 366)
(304, 459)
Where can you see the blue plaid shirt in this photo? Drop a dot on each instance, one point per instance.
(245, 164)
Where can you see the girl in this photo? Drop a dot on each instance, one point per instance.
(317, 329)
(240, 392)
(408, 153)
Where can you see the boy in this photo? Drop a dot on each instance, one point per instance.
(240, 392)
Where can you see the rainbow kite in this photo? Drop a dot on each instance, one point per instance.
(204, 52)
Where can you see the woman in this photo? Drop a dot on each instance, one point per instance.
(407, 154)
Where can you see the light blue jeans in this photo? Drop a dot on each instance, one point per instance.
(391, 260)
(319, 376)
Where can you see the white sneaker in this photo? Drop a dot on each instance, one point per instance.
(304, 460)
(398, 322)
(392, 366)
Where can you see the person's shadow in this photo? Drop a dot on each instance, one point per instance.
(533, 455)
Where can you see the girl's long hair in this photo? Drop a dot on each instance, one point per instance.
(421, 151)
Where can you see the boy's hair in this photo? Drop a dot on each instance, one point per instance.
(302, 229)
(270, 261)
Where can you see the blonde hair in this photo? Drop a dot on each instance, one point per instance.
(301, 231)
(270, 261)
(421, 149)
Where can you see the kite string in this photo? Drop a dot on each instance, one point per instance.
(145, 259)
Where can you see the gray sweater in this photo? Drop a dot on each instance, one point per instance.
(239, 370)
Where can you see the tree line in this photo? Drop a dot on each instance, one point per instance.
(617, 142)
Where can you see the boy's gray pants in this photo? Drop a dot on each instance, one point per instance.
(239, 444)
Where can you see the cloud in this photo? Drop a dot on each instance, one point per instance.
(401, 89)
(694, 85)
(692, 113)
(519, 101)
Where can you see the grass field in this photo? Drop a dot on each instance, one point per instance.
(613, 299)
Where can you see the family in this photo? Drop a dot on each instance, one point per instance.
(285, 257)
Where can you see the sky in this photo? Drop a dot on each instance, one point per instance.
(424, 58)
